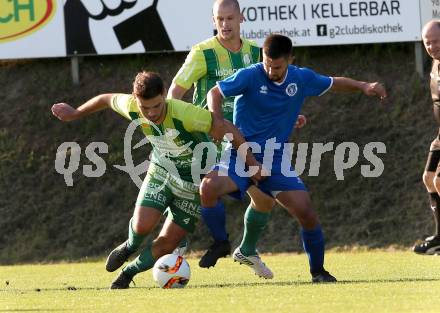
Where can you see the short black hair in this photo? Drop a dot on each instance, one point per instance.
(148, 85)
(276, 46)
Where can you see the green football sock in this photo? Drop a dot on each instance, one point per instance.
(254, 224)
(134, 239)
(143, 262)
(183, 243)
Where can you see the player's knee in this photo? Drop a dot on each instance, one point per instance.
(139, 226)
(265, 205)
(437, 183)
(429, 180)
(307, 217)
(208, 190)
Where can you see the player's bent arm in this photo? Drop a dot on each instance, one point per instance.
(176, 91)
(350, 85)
(237, 141)
(227, 127)
(214, 99)
(67, 113)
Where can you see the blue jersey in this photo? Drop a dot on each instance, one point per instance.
(267, 110)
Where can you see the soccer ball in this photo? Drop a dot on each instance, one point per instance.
(171, 271)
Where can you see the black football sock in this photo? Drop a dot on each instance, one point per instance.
(434, 199)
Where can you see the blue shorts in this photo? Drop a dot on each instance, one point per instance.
(271, 185)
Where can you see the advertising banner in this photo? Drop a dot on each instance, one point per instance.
(332, 22)
(52, 28)
(429, 9)
(31, 29)
(135, 26)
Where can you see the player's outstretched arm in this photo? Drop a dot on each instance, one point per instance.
(67, 113)
(368, 88)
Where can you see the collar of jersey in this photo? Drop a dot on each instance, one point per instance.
(279, 84)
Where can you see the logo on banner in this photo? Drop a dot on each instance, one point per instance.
(321, 30)
(110, 27)
(20, 18)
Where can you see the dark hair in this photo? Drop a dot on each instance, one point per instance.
(148, 85)
(276, 46)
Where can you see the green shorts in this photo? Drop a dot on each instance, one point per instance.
(162, 191)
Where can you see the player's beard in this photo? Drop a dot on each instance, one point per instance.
(278, 78)
(158, 118)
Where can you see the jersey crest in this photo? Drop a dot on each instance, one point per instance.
(291, 89)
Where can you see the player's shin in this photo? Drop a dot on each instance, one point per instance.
(313, 243)
(134, 239)
(142, 263)
(434, 199)
(215, 219)
(254, 224)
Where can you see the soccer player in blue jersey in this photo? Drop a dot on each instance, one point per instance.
(209, 61)
(269, 98)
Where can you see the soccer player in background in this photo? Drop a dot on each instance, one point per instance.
(208, 62)
(431, 179)
(271, 96)
(174, 128)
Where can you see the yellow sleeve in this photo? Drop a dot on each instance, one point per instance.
(192, 70)
(123, 104)
(193, 118)
(200, 121)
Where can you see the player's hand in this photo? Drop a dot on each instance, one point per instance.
(301, 121)
(217, 130)
(261, 175)
(100, 9)
(65, 112)
(375, 89)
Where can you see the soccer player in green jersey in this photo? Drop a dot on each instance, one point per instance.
(175, 129)
(216, 58)
(208, 62)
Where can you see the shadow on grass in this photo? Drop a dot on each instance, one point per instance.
(238, 285)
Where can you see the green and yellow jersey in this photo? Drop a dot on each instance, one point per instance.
(175, 139)
(209, 62)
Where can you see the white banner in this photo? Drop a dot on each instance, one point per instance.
(135, 26)
(332, 22)
(31, 29)
(180, 24)
(429, 9)
(50, 28)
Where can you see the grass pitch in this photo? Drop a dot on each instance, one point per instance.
(371, 281)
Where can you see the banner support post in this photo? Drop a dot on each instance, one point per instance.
(419, 58)
(74, 64)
